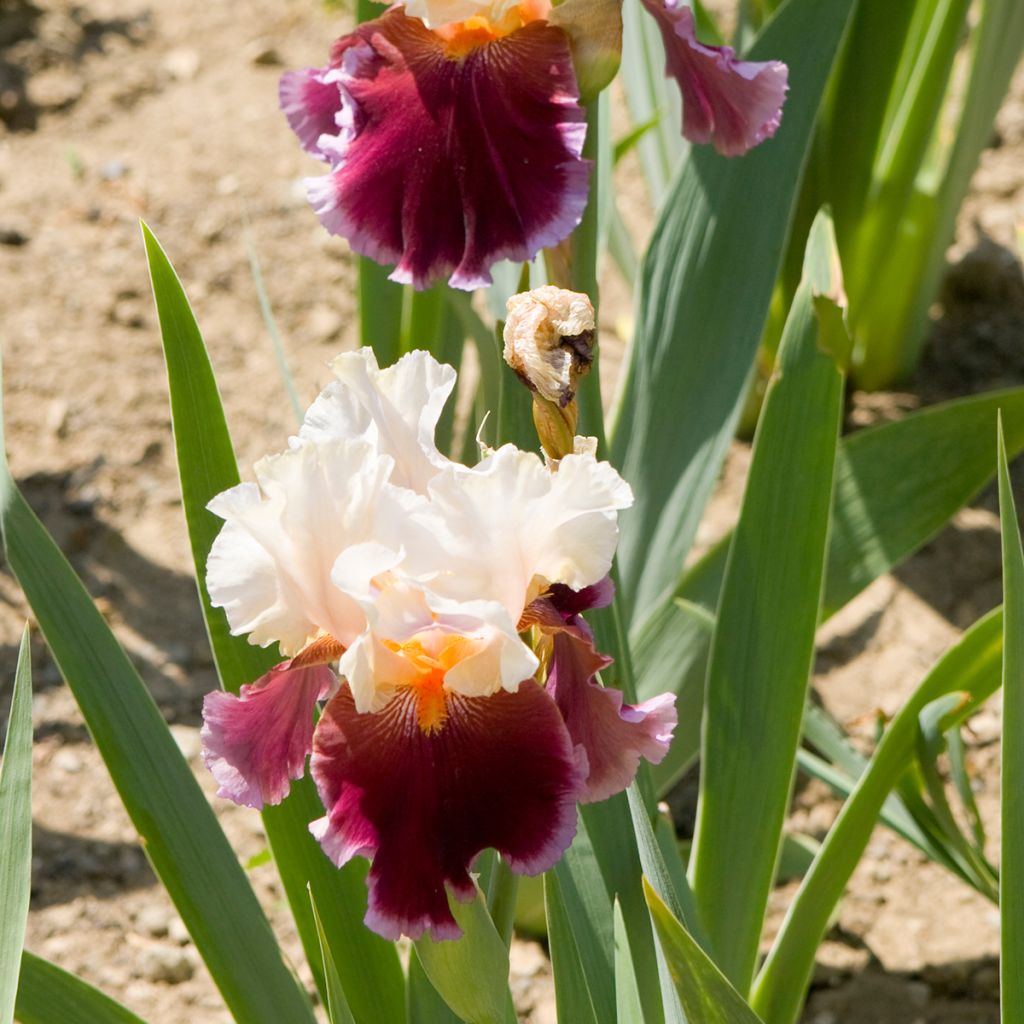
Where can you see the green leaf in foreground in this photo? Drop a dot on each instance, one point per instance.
(369, 967)
(337, 1004)
(471, 973)
(763, 644)
(15, 830)
(970, 667)
(705, 287)
(49, 995)
(182, 838)
(1011, 879)
(704, 992)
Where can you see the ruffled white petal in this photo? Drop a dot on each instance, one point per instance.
(270, 567)
(510, 519)
(395, 410)
(435, 13)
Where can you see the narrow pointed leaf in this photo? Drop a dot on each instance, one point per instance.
(369, 966)
(573, 997)
(338, 1011)
(627, 995)
(15, 830)
(705, 287)
(182, 839)
(897, 485)
(48, 995)
(1011, 879)
(971, 666)
(704, 992)
(763, 645)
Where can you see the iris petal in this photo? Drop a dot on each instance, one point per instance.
(502, 773)
(256, 743)
(733, 104)
(446, 163)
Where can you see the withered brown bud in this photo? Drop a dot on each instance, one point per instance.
(549, 341)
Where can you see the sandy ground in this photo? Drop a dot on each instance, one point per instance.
(114, 111)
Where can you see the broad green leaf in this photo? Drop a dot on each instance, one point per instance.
(573, 997)
(1011, 880)
(15, 830)
(381, 304)
(704, 992)
(582, 950)
(471, 973)
(897, 485)
(338, 1011)
(369, 966)
(763, 645)
(182, 839)
(425, 1005)
(49, 995)
(705, 287)
(972, 667)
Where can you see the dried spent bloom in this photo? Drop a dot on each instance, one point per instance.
(549, 340)
(732, 104)
(436, 609)
(454, 137)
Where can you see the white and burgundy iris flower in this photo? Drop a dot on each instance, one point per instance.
(436, 609)
(453, 129)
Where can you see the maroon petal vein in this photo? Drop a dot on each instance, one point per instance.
(502, 773)
(446, 165)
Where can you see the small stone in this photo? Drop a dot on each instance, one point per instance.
(263, 53)
(188, 740)
(12, 236)
(526, 959)
(57, 417)
(167, 964)
(128, 312)
(113, 169)
(153, 921)
(67, 761)
(54, 89)
(825, 1017)
(228, 185)
(177, 932)
(182, 63)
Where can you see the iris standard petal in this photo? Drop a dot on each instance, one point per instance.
(510, 520)
(270, 566)
(395, 410)
(501, 773)
(733, 104)
(256, 743)
(447, 160)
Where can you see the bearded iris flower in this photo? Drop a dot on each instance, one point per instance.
(454, 130)
(437, 610)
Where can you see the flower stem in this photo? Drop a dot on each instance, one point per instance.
(583, 269)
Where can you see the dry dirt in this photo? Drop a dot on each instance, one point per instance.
(114, 111)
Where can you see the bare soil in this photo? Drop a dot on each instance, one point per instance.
(112, 111)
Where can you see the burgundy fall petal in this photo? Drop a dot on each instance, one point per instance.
(733, 104)
(256, 743)
(500, 773)
(614, 735)
(446, 164)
